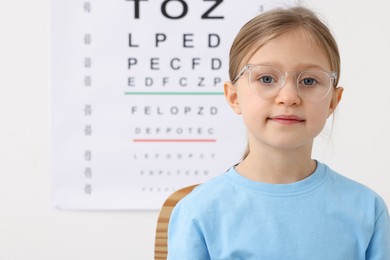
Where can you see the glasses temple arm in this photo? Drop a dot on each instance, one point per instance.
(242, 71)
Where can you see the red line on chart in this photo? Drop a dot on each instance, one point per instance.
(174, 140)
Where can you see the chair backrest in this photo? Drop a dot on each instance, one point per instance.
(161, 240)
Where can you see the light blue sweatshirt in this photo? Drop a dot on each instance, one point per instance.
(323, 217)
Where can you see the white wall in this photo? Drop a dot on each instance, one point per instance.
(31, 229)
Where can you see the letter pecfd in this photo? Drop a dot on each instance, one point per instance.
(216, 64)
(131, 62)
(174, 63)
(174, 111)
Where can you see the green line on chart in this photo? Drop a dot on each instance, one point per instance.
(175, 93)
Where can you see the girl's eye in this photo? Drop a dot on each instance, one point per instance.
(308, 82)
(267, 80)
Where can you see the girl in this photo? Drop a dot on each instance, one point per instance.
(279, 203)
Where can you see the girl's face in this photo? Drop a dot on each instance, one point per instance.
(285, 121)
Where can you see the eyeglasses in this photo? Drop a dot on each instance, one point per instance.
(267, 81)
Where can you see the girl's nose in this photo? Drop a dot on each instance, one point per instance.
(288, 93)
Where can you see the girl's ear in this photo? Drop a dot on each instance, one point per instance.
(232, 97)
(337, 95)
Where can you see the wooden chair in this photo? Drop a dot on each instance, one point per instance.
(161, 240)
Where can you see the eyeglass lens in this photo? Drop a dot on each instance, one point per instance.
(266, 81)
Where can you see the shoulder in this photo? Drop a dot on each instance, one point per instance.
(339, 181)
(354, 192)
(208, 190)
(205, 195)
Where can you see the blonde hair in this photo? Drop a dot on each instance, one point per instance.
(269, 25)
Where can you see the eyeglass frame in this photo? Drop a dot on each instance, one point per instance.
(332, 76)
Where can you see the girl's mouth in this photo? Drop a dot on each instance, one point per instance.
(287, 119)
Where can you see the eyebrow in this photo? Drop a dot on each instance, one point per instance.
(301, 66)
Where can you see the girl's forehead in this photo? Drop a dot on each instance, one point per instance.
(294, 48)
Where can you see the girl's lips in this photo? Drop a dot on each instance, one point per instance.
(287, 119)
